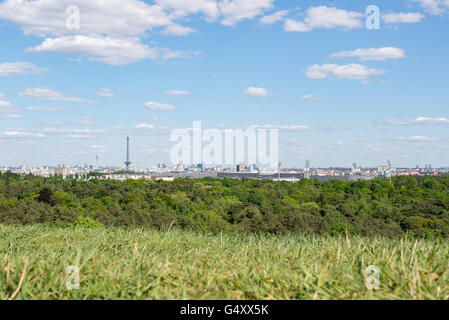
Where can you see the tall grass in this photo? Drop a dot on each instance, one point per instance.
(148, 264)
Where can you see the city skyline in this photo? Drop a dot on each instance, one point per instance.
(337, 91)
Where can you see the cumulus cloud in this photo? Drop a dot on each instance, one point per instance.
(110, 31)
(377, 54)
(49, 94)
(433, 7)
(113, 51)
(179, 9)
(326, 18)
(348, 71)
(409, 17)
(9, 68)
(417, 121)
(155, 106)
(256, 92)
(112, 17)
(177, 30)
(237, 10)
(296, 26)
(274, 17)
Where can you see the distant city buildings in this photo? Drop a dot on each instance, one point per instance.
(168, 173)
(62, 171)
(241, 167)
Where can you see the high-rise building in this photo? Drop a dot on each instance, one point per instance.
(241, 167)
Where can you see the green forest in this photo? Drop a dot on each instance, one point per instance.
(414, 206)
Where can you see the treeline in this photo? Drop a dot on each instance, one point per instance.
(417, 206)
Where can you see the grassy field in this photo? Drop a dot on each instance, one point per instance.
(147, 264)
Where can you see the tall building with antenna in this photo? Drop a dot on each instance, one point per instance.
(127, 163)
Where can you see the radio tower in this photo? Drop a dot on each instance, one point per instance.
(127, 163)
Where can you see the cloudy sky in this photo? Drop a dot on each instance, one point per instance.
(339, 92)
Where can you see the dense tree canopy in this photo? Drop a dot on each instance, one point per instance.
(417, 206)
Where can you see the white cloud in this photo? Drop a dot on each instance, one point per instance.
(409, 17)
(418, 121)
(177, 30)
(113, 51)
(151, 127)
(111, 31)
(274, 17)
(256, 92)
(155, 106)
(237, 10)
(49, 94)
(231, 11)
(434, 7)
(326, 18)
(74, 131)
(81, 136)
(6, 106)
(310, 97)
(20, 133)
(281, 127)
(11, 116)
(177, 8)
(348, 71)
(177, 92)
(145, 126)
(48, 109)
(418, 139)
(105, 92)
(296, 26)
(9, 68)
(112, 17)
(378, 54)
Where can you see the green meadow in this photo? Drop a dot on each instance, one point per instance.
(116, 263)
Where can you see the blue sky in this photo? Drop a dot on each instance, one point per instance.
(338, 92)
